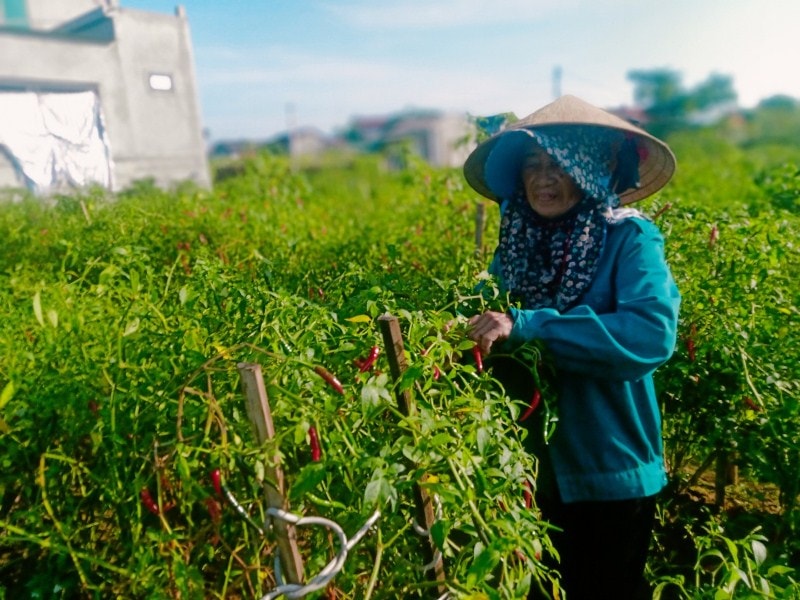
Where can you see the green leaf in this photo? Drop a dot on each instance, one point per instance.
(379, 490)
(375, 390)
(409, 376)
(37, 308)
(763, 586)
(779, 570)
(742, 576)
(131, 327)
(372, 493)
(106, 275)
(134, 276)
(440, 439)
(484, 438)
(183, 468)
(360, 319)
(759, 551)
(480, 482)
(308, 479)
(486, 559)
(439, 532)
(7, 394)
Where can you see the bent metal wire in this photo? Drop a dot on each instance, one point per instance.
(329, 571)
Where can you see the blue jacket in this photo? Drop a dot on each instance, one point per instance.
(607, 444)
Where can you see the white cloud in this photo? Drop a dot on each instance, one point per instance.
(381, 57)
(279, 65)
(445, 13)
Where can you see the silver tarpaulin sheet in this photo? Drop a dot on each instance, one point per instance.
(55, 140)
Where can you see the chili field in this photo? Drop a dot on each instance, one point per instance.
(124, 426)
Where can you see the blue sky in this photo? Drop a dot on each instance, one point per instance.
(265, 65)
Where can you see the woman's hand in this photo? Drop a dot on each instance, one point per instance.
(488, 328)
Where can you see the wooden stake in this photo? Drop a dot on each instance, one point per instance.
(726, 473)
(480, 221)
(260, 416)
(395, 354)
(721, 477)
(425, 514)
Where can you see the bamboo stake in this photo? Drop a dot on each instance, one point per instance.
(480, 224)
(425, 515)
(260, 416)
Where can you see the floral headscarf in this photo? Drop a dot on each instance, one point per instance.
(550, 263)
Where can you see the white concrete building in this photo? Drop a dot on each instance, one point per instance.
(442, 139)
(91, 92)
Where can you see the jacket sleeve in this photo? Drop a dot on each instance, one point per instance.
(635, 336)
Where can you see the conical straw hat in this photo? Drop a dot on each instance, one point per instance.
(656, 160)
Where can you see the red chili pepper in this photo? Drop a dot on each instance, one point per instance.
(526, 494)
(751, 404)
(662, 210)
(329, 378)
(476, 352)
(537, 397)
(713, 236)
(214, 509)
(148, 501)
(436, 372)
(216, 481)
(366, 365)
(691, 349)
(316, 451)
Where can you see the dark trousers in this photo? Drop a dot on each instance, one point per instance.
(603, 547)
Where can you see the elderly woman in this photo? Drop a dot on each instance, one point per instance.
(588, 278)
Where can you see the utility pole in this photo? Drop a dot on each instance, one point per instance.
(291, 124)
(556, 82)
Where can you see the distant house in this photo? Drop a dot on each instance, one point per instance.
(440, 138)
(299, 142)
(94, 93)
(443, 140)
(368, 133)
(714, 113)
(633, 114)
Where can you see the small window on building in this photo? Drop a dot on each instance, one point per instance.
(13, 13)
(161, 82)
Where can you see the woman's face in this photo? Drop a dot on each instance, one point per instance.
(550, 191)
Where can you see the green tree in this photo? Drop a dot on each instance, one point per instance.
(670, 106)
(776, 122)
